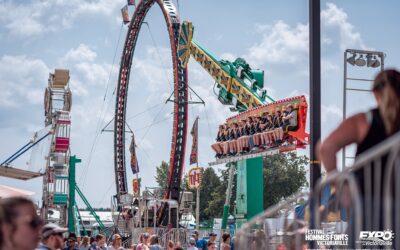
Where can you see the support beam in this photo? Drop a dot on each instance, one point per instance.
(315, 88)
(250, 189)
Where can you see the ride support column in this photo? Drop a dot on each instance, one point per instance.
(249, 190)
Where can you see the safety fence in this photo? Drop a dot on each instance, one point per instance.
(356, 208)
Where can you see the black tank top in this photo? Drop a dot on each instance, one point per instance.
(376, 132)
(375, 135)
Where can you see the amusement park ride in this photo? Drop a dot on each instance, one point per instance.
(239, 86)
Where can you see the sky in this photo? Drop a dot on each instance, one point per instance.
(86, 37)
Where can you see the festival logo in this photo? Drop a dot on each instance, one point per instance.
(376, 238)
(323, 238)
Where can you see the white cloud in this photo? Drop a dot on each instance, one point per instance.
(38, 17)
(22, 19)
(95, 74)
(228, 56)
(335, 18)
(22, 78)
(82, 53)
(280, 44)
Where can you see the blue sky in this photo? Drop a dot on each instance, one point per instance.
(38, 36)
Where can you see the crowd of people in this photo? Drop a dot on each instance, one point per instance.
(261, 132)
(21, 228)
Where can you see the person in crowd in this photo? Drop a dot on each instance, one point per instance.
(116, 243)
(212, 237)
(143, 245)
(19, 220)
(85, 243)
(171, 245)
(225, 245)
(99, 243)
(367, 130)
(217, 147)
(211, 245)
(52, 237)
(71, 243)
(154, 243)
(192, 243)
(201, 244)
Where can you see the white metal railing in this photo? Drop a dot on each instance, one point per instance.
(376, 208)
(259, 234)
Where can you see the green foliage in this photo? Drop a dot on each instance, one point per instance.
(284, 175)
(162, 175)
(209, 186)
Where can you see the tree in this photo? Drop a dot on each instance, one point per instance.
(210, 184)
(218, 196)
(284, 175)
(162, 175)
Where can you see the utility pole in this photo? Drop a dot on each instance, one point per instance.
(315, 88)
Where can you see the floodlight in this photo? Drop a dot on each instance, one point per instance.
(352, 59)
(372, 61)
(360, 61)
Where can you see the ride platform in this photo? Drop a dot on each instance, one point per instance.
(254, 154)
(19, 174)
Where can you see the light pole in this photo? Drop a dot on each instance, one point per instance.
(358, 58)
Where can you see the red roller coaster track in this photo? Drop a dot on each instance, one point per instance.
(180, 104)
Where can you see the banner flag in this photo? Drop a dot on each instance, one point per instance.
(134, 162)
(125, 14)
(194, 133)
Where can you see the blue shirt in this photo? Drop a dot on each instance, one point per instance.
(202, 244)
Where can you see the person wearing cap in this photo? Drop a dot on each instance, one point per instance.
(52, 237)
(116, 243)
(212, 237)
(192, 243)
(201, 244)
(71, 243)
(19, 220)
